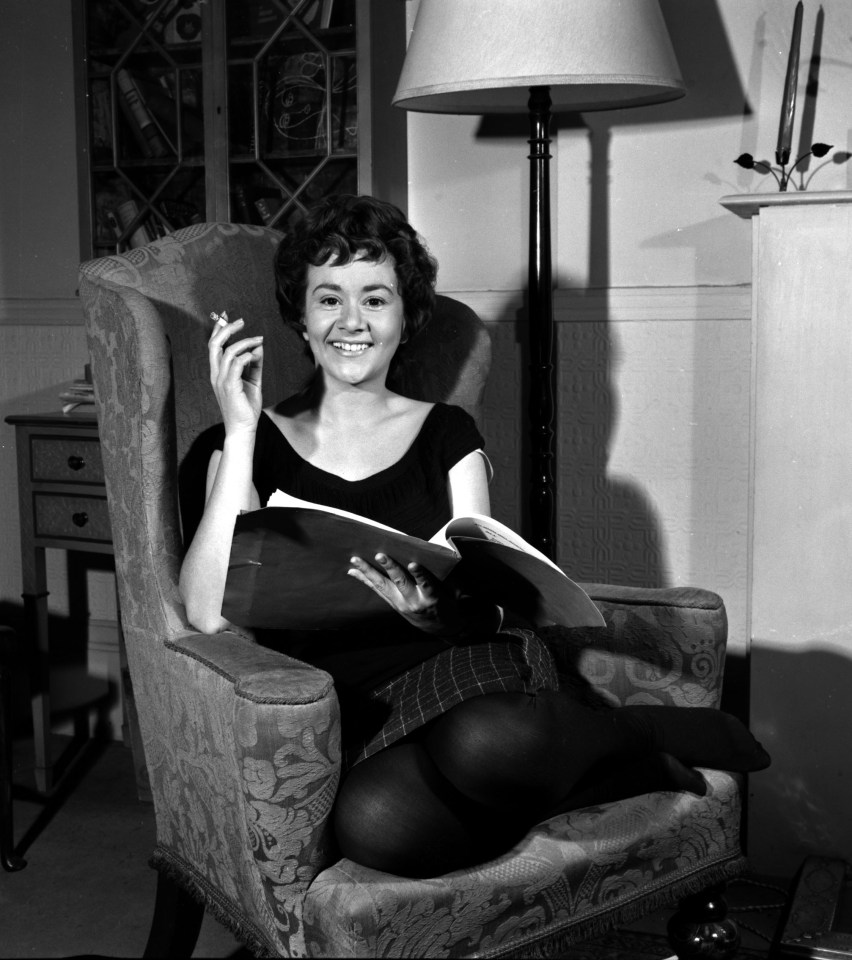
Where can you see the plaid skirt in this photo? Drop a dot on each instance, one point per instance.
(517, 661)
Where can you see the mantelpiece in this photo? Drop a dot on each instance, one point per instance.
(800, 525)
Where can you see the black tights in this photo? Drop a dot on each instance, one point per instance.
(472, 782)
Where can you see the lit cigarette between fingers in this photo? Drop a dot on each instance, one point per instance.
(221, 319)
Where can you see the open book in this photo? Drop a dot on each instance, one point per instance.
(289, 560)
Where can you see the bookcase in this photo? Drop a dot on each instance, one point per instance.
(243, 111)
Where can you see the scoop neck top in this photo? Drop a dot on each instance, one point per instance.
(411, 494)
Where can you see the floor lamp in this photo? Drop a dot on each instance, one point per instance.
(505, 56)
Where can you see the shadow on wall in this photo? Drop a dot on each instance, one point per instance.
(607, 528)
(801, 712)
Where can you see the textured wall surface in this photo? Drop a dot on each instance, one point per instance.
(651, 436)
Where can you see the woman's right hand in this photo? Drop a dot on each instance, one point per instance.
(236, 374)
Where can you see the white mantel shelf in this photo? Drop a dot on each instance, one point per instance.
(800, 525)
(746, 205)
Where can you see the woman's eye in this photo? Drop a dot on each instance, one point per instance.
(329, 301)
(375, 302)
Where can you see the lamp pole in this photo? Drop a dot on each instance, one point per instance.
(542, 387)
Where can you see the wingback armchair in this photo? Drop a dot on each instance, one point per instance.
(242, 743)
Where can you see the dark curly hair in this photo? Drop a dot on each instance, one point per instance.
(343, 228)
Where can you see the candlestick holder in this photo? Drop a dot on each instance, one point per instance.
(783, 174)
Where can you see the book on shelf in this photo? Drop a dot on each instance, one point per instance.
(126, 213)
(296, 102)
(161, 99)
(325, 14)
(288, 563)
(184, 25)
(149, 135)
(267, 207)
(242, 212)
(101, 118)
(178, 213)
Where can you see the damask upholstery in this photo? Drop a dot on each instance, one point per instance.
(242, 743)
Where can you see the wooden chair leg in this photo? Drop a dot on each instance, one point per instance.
(8, 860)
(701, 928)
(176, 923)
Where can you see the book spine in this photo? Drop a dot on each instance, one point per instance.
(127, 212)
(101, 118)
(242, 210)
(267, 207)
(137, 112)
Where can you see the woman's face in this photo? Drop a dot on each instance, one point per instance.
(353, 319)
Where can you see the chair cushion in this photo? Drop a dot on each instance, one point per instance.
(571, 877)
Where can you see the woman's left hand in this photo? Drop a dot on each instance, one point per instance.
(412, 591)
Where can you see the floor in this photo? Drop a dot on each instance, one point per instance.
(87, 888)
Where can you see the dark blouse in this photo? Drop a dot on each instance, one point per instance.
(411, 495)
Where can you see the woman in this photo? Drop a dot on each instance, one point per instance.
(457, 738)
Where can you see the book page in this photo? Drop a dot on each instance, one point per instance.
(478, 527)
(519, 581)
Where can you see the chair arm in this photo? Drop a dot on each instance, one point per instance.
(257, 672)
(243, 752)
(659, 645)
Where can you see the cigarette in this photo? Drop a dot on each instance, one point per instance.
(221, 319)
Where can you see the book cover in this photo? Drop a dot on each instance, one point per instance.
(296, 103)
(288, 564)
(145, 129)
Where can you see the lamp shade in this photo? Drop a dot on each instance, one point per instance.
(482, 56)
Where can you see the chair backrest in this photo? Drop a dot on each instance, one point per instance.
(147, 315)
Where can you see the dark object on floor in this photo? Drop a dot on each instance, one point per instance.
(701, 928)
(630, 945)
(8, 643)
(813, 913)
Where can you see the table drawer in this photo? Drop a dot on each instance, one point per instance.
(66, 460)
(71, 517)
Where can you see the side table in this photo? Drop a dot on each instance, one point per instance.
(62, 504)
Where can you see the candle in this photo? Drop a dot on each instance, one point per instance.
(788, 105)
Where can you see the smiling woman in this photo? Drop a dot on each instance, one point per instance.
(456, 736)
(353, 312)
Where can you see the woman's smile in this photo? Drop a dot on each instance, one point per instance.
(354, 349)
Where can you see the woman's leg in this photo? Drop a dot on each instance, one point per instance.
(475, 779)
(516, 751)
(537, 754)
(397, 813)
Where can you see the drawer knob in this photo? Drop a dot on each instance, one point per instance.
(76, 462)
(80, 519)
